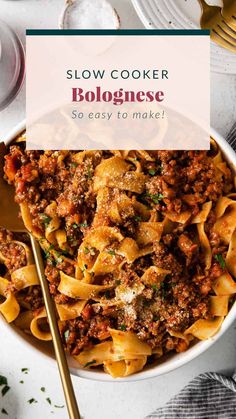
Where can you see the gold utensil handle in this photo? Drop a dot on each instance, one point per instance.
(58, 347)
(205, 7)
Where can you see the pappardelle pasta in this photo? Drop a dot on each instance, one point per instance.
(140, 250)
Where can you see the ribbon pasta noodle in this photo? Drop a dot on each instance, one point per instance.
(139, 249)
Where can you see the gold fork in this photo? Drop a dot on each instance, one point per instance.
(9, 219)
(229, 12)
(222, 30)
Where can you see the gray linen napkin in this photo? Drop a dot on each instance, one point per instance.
(210, 395)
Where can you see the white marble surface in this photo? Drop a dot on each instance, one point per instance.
(98, 400)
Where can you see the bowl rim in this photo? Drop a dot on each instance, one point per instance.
(177, 360)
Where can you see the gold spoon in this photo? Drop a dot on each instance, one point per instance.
(222, 32)
(10, 220)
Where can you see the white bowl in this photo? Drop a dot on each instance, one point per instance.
(167, 364)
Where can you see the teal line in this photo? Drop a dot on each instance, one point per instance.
(120, 32)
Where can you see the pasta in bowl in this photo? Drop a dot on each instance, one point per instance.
(139, 254)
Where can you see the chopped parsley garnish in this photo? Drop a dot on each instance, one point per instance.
(73, 164)
(66, 334)
(51, 262)
(84, 267)
(118, 282)
(30, 401)
(89, 174)
(59, 407)
(154, 287)
(21, 382)
(111, 252)
(3, 380)
(47, 253)
(156, 318)
(220, 260)
(45, 219)
(123, 327)
(49, 400)
(137, 218)
(5, 389)
(155, 197)
(164, 289)
(152, 172)
(43, 389)
(4, 412)
(25, 370)
(75, 225)
(90, 363)
(89, 250)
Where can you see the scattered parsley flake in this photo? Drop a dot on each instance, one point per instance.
(154, 287)
(4, 412)
(51, 262)
(59, 407)
(66, 335)
(152, 172)
(164, 289)
(75, 225)
(3, 380)
(5, 389)
(43, 389)
(25, 370)
(45, 219)
(47, 253)
(21, 382)
(111, 252)
(89, 173)
(155, 197)
(137, 218)
(73, 164)
(220, 260)
(86, 250)
(30, 401)
(123, 327)
(90, 363)
(84, 267)
(49, 400)
(118, 282)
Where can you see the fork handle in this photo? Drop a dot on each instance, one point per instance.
(204, 6)
(58, 347)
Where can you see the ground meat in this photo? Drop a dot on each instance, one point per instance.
(34, 299)
(13, 253)
(99, 327)
(165, 260)
(187, 247)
